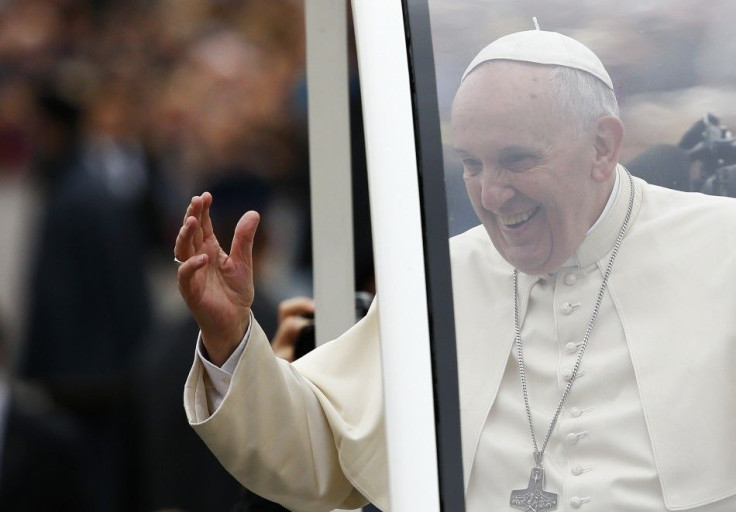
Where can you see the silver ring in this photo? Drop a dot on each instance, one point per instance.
(178, 261)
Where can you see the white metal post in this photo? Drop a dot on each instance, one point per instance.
(330, 167)
(398, 252)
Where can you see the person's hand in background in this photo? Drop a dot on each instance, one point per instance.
(295, 315)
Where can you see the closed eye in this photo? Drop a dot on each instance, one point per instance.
(471, 166)
(518, 162)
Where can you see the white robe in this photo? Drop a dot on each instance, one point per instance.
(311, 435)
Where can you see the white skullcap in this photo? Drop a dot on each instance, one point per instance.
(542, 47)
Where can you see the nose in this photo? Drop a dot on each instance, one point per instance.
(495, 191)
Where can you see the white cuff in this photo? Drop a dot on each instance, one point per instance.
(218, 383)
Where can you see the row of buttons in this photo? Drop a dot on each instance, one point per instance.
(572, 438)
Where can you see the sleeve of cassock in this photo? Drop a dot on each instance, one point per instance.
(309, 435)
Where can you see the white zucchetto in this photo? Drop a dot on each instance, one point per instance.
(542, 47)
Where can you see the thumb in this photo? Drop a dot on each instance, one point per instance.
(241, 249)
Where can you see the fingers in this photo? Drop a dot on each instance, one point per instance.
(292, 319)
(286, 335)
(296, 306)
(191, 234)
(184, 246)
(205, 220)
(186, 274)
(187, 214)
(241, 249)
(197, 207)
(190, 209)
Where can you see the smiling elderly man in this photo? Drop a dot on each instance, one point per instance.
(595, 317)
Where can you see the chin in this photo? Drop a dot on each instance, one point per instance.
(532, 270)
(525, 265)
(534, 264)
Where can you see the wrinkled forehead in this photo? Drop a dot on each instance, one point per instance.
(505, 102)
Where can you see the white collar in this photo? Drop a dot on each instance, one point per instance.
(571, 262)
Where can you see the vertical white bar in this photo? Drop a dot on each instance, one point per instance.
(330, 167)
(398, 250)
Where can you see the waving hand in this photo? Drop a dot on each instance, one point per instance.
(217, 287)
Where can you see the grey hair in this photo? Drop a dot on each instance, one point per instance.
(581, 96)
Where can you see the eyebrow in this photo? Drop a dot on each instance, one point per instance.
(505, 150)
(518, 149)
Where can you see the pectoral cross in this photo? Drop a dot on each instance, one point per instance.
(534, 498)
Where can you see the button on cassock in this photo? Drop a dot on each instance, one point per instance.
(567, 374)
(568, 308)
(576, 502)
(573, 438)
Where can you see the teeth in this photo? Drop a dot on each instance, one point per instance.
(518, 218)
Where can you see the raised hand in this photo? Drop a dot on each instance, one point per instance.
(217, 287)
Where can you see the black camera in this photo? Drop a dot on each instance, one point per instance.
(305, 341)
(712, 148)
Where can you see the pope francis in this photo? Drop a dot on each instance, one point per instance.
(595, 318)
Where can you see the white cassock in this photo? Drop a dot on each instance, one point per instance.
(649, 426)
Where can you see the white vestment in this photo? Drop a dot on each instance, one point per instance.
(647, 427)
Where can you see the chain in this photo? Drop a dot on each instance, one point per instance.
(538, 453)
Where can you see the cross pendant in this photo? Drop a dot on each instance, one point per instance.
(534, 498)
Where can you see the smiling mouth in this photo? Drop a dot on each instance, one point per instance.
(518, 220)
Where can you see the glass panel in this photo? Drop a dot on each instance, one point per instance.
(673, 69)
(671, 64)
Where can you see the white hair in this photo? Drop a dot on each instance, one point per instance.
(582, 96)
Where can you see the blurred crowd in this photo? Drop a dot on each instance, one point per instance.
(113, 113)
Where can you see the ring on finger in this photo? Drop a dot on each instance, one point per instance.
(178, 261)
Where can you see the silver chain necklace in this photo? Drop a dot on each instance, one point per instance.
(534, 498)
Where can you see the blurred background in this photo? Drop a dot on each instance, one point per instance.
(113, 113)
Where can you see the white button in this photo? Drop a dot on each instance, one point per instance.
(567, 374)
(576, 502)
(573, 438)
(575, 412)
(568, 308)
(577, 470)
(571, 347)
(570, 279)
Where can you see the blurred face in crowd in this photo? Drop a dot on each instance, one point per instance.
(536, 183)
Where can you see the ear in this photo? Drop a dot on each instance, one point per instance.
(609, 135)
